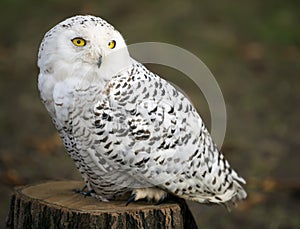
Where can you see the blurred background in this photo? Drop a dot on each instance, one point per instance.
(251, 47)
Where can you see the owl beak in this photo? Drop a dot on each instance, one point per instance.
(99, 61)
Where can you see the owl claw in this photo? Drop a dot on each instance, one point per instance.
(131, 199)
(160, 201)
(84, 193)
(88, 193)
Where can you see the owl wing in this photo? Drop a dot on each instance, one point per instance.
(153, 133)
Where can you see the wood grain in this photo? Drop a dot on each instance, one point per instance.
(53, 204)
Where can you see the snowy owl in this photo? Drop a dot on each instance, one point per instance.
(127, 129)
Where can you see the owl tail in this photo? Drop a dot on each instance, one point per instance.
(237, 191)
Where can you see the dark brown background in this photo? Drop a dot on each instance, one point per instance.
(252, 48)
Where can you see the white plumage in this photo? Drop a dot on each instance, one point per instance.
(127, 129)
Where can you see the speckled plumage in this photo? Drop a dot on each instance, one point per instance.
(127, 129)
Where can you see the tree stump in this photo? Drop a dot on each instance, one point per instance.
(54, 205)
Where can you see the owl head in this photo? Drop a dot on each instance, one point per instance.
(82, 44)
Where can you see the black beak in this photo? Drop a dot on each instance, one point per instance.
(99, 61)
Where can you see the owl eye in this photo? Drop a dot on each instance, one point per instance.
(78, 41)
(112, 44)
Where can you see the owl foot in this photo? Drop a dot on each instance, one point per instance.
(84, 193)
(154, 195)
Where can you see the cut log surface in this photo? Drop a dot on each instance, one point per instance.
(54, 205)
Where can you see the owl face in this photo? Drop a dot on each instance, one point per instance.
(81, 41)
(79, 52)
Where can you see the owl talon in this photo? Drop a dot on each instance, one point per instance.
(84, 193)
(160, 201)
(88, 193)
(131, 199)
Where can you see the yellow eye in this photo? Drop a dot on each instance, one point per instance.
(78, 41)
(112, 44)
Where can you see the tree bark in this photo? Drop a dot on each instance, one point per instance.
(54, 205)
